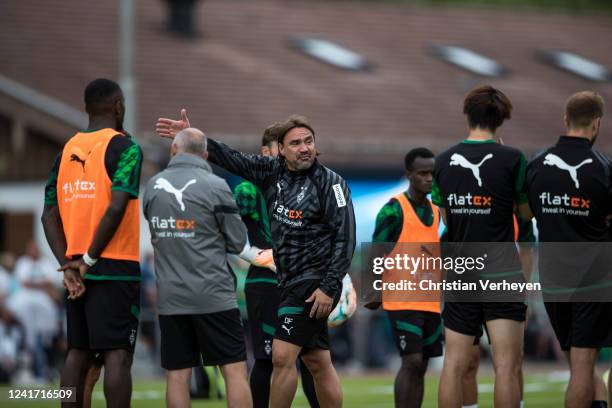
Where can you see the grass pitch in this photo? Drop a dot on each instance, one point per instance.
(361, 391)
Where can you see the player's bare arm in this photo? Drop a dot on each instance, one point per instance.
(54, 233)
(525, 211)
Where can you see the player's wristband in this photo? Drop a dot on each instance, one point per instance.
(89, 261)
(258, 257)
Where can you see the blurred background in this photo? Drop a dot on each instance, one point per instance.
(376, 78)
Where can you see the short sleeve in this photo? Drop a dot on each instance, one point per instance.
(124, 164)
(51, 186)
(520, 187)
(436, 194)
(388, 222)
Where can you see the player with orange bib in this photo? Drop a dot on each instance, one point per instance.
(91, 222)
(409, 219)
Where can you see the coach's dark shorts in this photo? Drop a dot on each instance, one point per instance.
(416, 332)
(204, 339)
(294, 324)
(106, 317)
(468, 317)
(262, 299)
(581, 324)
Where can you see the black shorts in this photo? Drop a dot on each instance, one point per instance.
(416, 332)
(294, 325)
(204, 339)
(106, 317)
(468, 317)
(262, 301)
(581, 324)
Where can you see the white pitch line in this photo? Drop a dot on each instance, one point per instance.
(136, 395)
(488, 388)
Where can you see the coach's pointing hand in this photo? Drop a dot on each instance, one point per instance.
(169, 128)
(322, 305)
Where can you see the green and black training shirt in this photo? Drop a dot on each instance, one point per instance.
(390, 219)
(254, 214)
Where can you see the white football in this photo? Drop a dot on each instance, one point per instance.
(346, 305)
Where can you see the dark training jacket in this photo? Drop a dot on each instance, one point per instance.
(311, 216)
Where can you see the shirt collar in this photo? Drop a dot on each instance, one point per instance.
(574, 140)
(189, 160)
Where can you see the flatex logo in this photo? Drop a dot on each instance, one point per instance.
(565, 204)
(286, 215)
(172, 223)
(173, 227)
(469, 204)
(291, 214)
(292, 218)
(78, 186)
(79, 189)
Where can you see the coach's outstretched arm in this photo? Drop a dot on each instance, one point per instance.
(252, 167)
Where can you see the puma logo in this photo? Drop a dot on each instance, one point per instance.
(553, 160)
(163, 184)
(459, 160)
(75, 158)
(288, 329)
(78, 155)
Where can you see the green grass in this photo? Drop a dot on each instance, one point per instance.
(362, 391)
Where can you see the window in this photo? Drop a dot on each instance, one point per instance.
(577, 65)
(330, 53)
(469, 60)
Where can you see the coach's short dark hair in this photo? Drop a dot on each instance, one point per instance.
(292, 122)
(583, 107)
(413, 154)
(99, 95)
(487, 108)
(271, 134)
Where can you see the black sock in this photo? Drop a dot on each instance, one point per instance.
(308, 386)
(599, 404)
(260, 383)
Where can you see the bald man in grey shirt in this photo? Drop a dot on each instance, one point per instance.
(194, 224)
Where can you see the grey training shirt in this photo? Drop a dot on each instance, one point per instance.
(194, 224)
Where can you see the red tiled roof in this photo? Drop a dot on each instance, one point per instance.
(241, 75)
